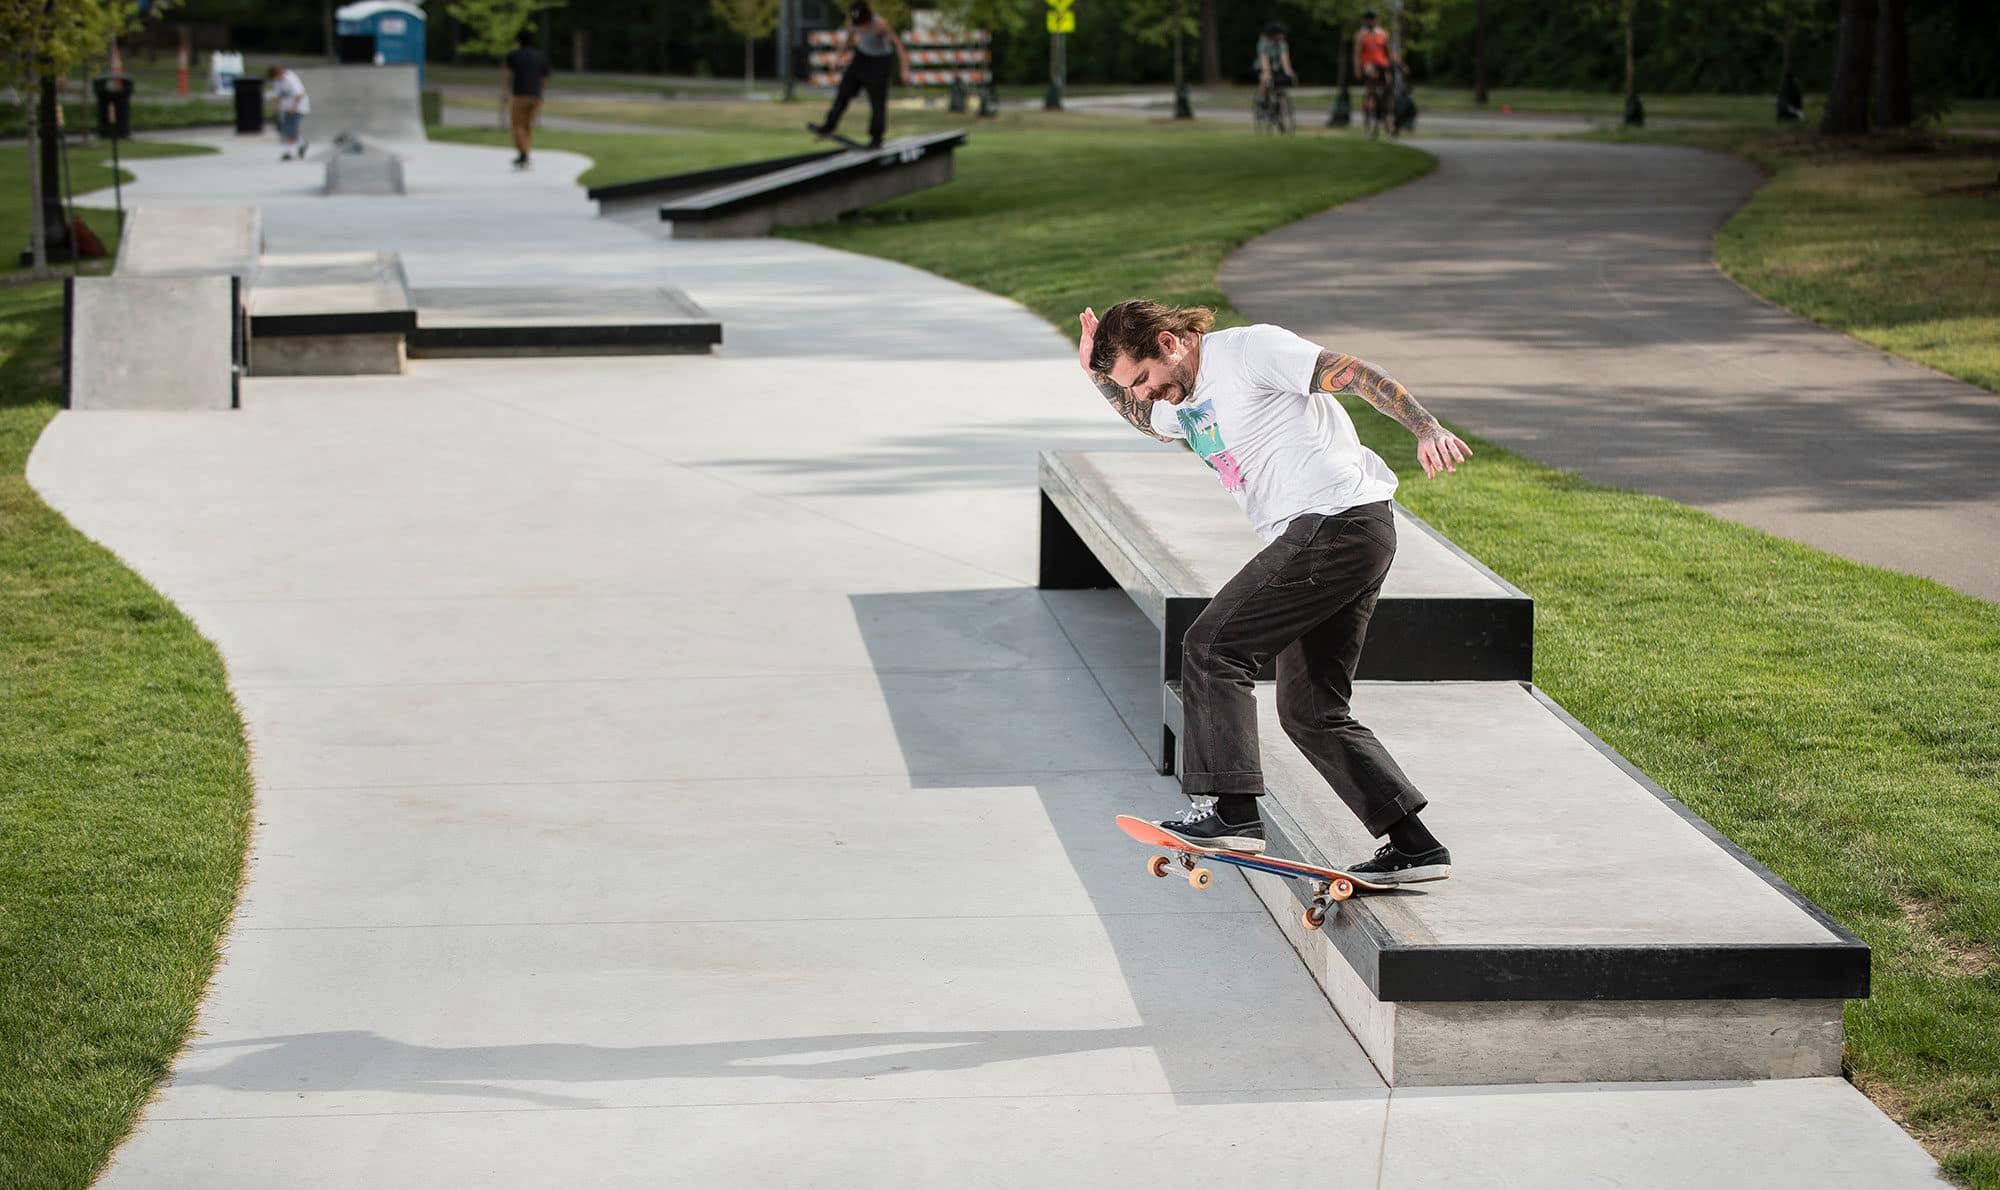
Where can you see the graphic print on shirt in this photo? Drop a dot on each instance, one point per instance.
(1204, 433)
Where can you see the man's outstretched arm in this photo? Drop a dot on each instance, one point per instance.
(1438, 449)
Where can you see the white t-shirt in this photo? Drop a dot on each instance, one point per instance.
(1280, 449)
(290, 92)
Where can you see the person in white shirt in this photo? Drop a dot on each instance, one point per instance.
(290, 105)
(1257, 404)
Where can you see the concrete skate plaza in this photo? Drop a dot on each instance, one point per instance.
(517, 641)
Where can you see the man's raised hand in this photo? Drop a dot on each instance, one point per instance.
(1089, 320)
(1441, 450)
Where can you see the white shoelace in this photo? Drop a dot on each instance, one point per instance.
(1195, 813)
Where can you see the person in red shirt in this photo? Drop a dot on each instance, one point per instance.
(1372, 57)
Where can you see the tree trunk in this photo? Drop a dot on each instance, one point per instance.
(579, 56)
(1479, 53)
(1631, 58)
(1892, 65)
(38, 232)
(749, 65)
(1180, 65)
(1847, 100)
(1211, 45)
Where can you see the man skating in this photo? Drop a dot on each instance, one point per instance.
(291, 105)
(1258, 405)
(873, 45)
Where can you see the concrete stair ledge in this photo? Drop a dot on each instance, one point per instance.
(330, 314)
(1594, 928)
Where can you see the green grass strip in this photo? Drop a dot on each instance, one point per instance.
(124, 794)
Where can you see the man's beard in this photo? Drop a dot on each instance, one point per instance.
(1175, 388)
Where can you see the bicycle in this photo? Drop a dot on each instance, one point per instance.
(1271, 110)
(1379, 106)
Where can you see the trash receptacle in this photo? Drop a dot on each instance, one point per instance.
(114, 105)
(249, 104)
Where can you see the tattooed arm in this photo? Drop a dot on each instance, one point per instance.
(1138, 413)
(1438, 449)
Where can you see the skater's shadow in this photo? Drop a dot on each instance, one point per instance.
(355, 1060)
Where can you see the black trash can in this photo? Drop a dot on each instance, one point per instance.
(249, 104)
(114, 105)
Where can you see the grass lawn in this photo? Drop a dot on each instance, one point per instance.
(1896, 243)
(124, 793)
(89, 170)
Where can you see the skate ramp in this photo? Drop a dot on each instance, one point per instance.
(377, 103)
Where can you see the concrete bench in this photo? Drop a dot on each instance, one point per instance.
(814, 191)
(1594, 929)
(1158, 525)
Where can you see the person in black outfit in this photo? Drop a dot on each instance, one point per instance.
(873, 43)
(521, 74)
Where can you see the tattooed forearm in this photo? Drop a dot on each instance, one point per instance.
(1139, 413)
(1337, 373)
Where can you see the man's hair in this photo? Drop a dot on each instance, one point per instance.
(525, 38)
(1133, 329)
(859, 12)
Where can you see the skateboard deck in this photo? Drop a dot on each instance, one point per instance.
(1329, 885)
(849, 141)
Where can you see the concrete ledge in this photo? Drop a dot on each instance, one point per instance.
(649, 193)
(328, 355)
(816, 191)
(330, 314)
(190, 241)
(151, 343)
(1594, 928)
(541, 321)
(1156, 524)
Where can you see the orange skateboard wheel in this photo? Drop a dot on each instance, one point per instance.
(1313, 918)
(1199, 877)
(1158, 865)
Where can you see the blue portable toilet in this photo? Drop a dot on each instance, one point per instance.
(395, 27)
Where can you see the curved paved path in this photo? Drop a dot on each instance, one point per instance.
(1561, 299)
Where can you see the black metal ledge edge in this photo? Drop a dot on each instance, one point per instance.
(705, 179)
(373, 322)
(1394, 970)
(689, 334)
(697, 211)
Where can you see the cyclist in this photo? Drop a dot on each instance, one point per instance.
(1274, 62)
(1372, 57)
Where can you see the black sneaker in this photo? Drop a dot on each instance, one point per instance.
(1390, 866)
(1203, 827)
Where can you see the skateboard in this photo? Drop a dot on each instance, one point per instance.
(849, 141)
(1329, 885)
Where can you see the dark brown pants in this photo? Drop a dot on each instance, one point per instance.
(1305, 599)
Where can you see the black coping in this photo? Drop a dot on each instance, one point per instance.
(358, 322)
(806, 177)
(688, 335)
(1398, 969)
(704, 179)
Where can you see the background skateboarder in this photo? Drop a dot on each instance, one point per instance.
(521, 75)
(873, 43)
(1257, 404)
(289, 105)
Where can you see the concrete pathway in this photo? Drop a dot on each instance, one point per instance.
(668, 775)
(1562, 299)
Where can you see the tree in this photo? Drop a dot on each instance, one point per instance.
(41, 41)
(1892, 65)
(1847, 99)
(1002, 18)
(1211, 45)
(750, 20)
(1479, 53)
(1158, 22)
(492, 24)
(1340, 15)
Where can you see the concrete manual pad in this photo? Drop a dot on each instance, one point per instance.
(544, 320)
(348, 290)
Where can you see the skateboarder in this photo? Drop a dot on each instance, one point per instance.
(290, 105)
(522, 73)
(873, 42)
(1257, 404)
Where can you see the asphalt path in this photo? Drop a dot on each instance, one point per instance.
(1562, 300)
